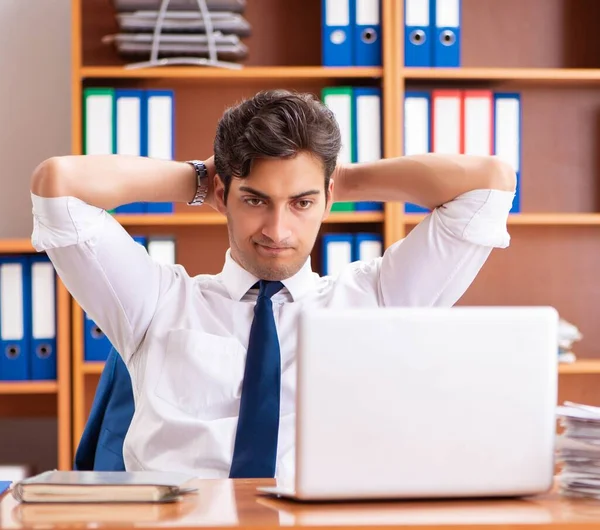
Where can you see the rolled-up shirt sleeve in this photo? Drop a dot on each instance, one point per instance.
(109, 274)
(438, 260)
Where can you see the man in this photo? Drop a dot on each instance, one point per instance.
(212, 358)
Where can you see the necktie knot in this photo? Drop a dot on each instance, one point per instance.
(268, 288)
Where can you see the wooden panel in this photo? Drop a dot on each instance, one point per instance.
(580, 389)
(283, 33)
(561, 162)
(547, 266)
(27, 405)
(531, 33)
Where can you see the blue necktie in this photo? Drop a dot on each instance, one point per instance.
(255, 449)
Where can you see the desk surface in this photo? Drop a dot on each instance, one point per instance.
(235, 504)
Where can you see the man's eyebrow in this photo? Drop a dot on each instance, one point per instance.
(305, 194)
(262, 195)
(248, 189)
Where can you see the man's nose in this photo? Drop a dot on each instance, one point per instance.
(277, 227)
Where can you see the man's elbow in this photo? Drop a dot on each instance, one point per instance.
(501, 175)
(49, 178)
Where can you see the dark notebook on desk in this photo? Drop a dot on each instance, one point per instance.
(103, 486)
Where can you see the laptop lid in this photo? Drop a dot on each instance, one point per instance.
(426, 402)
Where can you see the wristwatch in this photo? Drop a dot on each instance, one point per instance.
(202, 182)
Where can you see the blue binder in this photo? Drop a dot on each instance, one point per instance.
(418, 30)
(15, 318)
(142, 240)
(160, 136)
(43, 318)
(367, 246)
(96, 343)
(337, 36)
(367, 33)
(507, 136)
(130, 137)
(446, 49)
(337, 252)
(409, 135)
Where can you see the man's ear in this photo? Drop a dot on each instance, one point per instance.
(219, 192)
(329, 202)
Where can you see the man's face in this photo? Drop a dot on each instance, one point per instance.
(274, 214)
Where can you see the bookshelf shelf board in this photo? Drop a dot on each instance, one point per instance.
(28, 387)
(246, 73)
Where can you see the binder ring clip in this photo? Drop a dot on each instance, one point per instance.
(12, 352)
(417, 37)
(368, 36)
(447, 37)
(43, 351)
(338, 36)
(97, 333)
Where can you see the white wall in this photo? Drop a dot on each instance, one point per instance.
(35, 119)
(35, 60)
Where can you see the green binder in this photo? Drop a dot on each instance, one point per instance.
(339, 101)
(99, 122)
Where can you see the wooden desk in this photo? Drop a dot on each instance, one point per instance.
(234, 504)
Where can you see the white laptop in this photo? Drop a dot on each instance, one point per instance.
(425, 403)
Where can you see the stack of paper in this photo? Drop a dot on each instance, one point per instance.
(183, 29)
(578, 450)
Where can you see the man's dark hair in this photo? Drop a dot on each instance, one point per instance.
(275, 124)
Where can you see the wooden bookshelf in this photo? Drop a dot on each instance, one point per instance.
(202, 219)
(45, 398)
(544, 49)
(15, 246)
(252, 73)
(28, 387)
(579, 367)
(534, 219)
(548, 76)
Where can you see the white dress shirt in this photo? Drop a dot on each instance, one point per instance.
(184, 338)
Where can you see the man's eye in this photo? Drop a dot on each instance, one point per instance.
(254, 202)
(303, 205)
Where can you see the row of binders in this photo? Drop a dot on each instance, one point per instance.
(96, 345)
(339, 250)
(130, 122)
(358, 112)
(27, 318)
(351, 33)
(474, 122)
(432, 36)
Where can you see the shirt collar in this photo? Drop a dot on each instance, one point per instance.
(239, 281)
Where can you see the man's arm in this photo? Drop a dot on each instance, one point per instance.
(108, 181)
(111, 277)
(470, 198)
(428, 180)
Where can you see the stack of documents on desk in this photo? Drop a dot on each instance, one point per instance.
(578, 450)
(183, 29)
(103, 486)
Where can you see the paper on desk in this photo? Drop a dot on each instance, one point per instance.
(578, 410)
